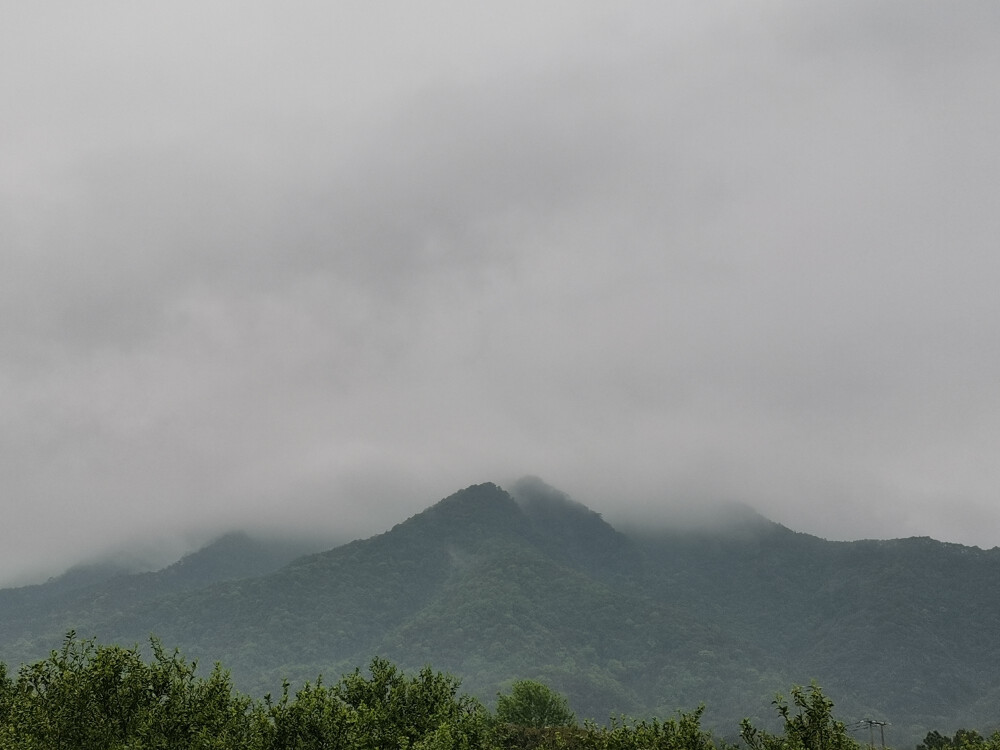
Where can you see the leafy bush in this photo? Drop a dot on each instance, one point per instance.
(810, 727)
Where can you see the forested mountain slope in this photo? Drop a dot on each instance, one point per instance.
(33, 617)
(494, 586)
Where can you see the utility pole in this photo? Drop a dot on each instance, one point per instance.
(872, 723)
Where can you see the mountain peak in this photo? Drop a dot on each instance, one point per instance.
(236, 555)
(478, 509)
(531, 491)
(569, 528)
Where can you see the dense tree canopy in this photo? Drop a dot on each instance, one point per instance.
(963, 739)
(87, 696)
(532, 704)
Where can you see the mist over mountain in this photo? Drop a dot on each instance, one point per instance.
(496, 584)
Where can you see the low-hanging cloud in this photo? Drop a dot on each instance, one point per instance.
(323, 266)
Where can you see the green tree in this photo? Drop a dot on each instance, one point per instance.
(935, 741)
(968, 738)
(532, 704)
(6, 703)
(315, 718)
(391, 709)
(90, 697)
(810, 727)
(964, 739)
(682, 733)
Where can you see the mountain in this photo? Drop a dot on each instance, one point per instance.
(495, 585)
(34, 618)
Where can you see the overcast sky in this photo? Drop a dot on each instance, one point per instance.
(319, 264)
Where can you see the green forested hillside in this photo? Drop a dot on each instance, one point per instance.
(494, 586)
(33, 618)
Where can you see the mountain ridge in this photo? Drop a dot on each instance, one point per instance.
(494, 585)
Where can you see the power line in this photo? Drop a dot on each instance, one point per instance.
(872, 723)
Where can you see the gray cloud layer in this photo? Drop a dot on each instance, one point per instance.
(319, 264)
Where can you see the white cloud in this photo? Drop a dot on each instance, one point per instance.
(329, 264)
